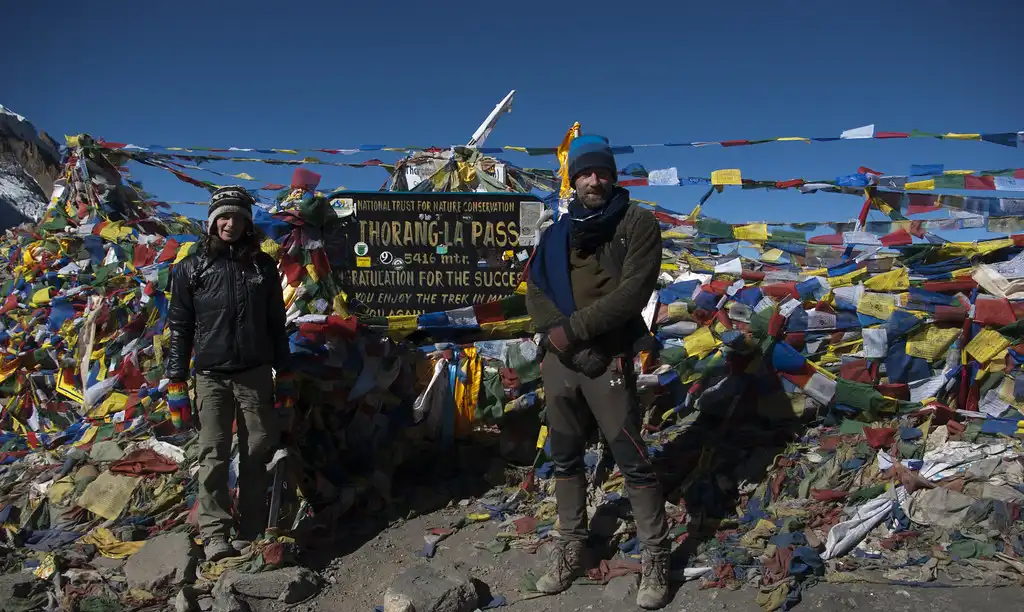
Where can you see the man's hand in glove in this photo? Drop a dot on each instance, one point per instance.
(590, 362)
(179, 404)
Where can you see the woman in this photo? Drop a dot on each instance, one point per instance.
(226, 305)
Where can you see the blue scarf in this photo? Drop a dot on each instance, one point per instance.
(582, 228)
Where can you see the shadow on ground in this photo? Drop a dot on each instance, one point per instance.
(427, 481)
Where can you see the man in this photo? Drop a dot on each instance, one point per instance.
(226, 304)
(592, 275)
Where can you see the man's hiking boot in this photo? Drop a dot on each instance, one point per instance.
(653, 593)
(566, 566)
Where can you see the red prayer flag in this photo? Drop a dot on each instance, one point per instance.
(169, 252)
(142, 256)
(898, 238)
(892, 135)
(734, 143)
(922, 203)
(789, 184)
(993, 311)
(489, 313)
(899, 391)
(827, 239)
(635, 182)
(880, 437)
(979, 182)
(856, 371)
(956, 286)
(781, 290)
(306, 180)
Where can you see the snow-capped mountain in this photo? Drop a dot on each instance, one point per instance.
(29, 163)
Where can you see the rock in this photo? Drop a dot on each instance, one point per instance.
(20, 586)
(621, 589)
(166, 560)
(206, 604)
(289, 585)
(29, 163)
(187, 600)
(101, 562)
(426, 588)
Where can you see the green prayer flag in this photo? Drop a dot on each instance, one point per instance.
(714, 227)
(949, 181)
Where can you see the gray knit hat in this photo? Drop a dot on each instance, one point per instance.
(229, 199)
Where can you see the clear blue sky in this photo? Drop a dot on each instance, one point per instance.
(341, 74)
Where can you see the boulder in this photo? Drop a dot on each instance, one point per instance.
(22, 591)
(621, 589)
(166, 560)
(425, 588)
(289, 585)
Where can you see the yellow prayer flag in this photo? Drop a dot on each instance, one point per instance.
(41, 297)
(771, 255)
(183, 251)
(516, 149)
(731, 176)
(270, 247)
(542, 436)
(693, 215)
(986, 345)
(897, 279)
(71, 141)
(311, 271)
(563, 160)
(403, 322)
(108, 544)
(846, 280)
(958, 249)
(696, 264)
(245, 176)
(519, 325)
(114, 403)
(700, 343)
(878, 305)
(111, 231)
(959, 172)
(467, 172)
(794, 139)
(955, 136)
(988, 246)
(521, 289)
(998, 363)
(753, 232)
(920, 185)
(932, 342)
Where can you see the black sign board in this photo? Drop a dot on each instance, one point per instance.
(409, 253)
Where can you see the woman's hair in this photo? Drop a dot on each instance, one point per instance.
(246, 247)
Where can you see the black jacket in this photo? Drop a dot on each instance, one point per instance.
(231, 312)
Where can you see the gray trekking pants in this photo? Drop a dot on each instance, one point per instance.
(221, 398)
(574, 401)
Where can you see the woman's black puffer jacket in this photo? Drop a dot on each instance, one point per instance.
(230, 311)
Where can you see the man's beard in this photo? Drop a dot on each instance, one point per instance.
(594, 197)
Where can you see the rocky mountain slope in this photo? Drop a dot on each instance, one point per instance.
(29, 163)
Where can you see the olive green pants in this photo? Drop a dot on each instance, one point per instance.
(221, 398)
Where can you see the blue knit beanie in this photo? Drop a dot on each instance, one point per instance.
(590, 151)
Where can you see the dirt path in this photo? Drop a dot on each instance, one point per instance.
(358, 580)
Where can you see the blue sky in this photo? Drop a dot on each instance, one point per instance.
(341, 74)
